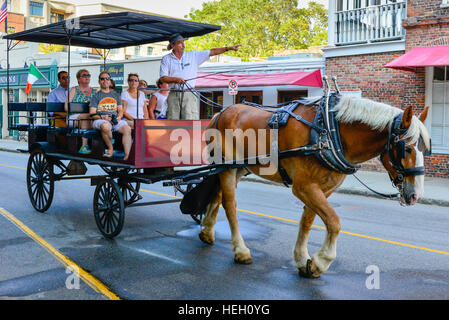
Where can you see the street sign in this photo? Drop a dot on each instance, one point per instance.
(233, 88)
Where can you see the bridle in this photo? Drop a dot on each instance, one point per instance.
(398, 144)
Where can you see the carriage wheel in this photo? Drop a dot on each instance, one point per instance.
(109, 208)
(40, 180)
(184, 189)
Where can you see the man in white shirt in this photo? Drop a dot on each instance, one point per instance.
(180, 67)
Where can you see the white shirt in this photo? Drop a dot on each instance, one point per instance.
(161, 104)
(185, 68)
(131, 106)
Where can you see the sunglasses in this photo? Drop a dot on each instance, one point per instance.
(133, 80)
(64, 77)
(85, 76)
(105, 78)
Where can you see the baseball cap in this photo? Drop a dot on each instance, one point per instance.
(175, 37)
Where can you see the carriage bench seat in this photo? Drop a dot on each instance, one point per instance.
(28, 126)
(26, 106)
(85, 133)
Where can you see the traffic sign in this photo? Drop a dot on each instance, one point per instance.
(233, 88)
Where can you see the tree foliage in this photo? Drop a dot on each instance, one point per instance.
(260, 26)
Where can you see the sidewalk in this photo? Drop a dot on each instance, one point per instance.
(12, 145)
(436, 190)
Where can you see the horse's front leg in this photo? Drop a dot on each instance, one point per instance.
(315, 199)
(228, 180)
(300, 252)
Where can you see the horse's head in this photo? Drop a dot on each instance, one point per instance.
(403, 157)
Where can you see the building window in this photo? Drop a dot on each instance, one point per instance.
(150, 51)
(137, 50)
(440, 109)
(207, 111)
(285, 96)
(250, 96)
(445, 3)
(32, 96)
(36, 8)
(56, 17)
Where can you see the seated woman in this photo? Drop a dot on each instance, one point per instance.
(157, 106)
(107, 112)
(130, 103)
(81, 93)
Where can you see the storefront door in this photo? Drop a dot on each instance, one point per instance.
(13, 116)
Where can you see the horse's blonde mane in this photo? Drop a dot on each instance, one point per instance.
(378, 116)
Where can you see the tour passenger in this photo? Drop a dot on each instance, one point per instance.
(82, 93)
(107, 112)
(130, 103)
(59, 94)
(157, 106)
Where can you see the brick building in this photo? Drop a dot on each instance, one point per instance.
(366, 35)
(16, 23)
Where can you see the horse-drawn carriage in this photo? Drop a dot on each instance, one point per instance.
(316, 145)
(51, 145)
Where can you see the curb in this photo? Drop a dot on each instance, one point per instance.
(10, 150)
(367, 193)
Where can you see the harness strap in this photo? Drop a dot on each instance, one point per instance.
(301, 119)
(284, 175)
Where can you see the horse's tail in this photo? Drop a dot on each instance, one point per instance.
(197, 200)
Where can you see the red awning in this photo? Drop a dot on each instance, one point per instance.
(298, 78)
(421, 57)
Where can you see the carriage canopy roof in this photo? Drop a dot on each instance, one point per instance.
(113, 30)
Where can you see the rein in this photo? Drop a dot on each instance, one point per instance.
(383, 195)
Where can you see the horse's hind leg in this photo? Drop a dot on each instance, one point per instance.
(228, 181)
(315, 199)
(207, 234)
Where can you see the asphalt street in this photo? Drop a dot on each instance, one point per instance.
(158, 254)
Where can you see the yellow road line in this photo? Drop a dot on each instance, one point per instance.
(351, 233)
(395, 242)
(161, 194)
(90, 280)
(14, 167)
(315, 226)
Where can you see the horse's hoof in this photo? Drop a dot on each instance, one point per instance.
(206, 238)
(240, 259)
(307, 273)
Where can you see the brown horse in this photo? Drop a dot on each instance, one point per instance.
(364, 130)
